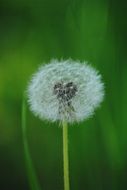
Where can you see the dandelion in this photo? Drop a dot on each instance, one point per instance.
(66, 91)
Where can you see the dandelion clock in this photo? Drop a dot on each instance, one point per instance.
(66, 91)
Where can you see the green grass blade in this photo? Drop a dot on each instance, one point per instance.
(33, 181)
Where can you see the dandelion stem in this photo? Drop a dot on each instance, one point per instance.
(65, 156)
(33, 181)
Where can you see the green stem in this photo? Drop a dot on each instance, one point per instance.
(65, 156)
(33, 181)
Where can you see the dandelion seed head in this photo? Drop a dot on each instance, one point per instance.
(65, 90)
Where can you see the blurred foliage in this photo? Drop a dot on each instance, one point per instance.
(33, 32)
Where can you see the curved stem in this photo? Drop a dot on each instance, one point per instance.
(33, 181)
(65, 156)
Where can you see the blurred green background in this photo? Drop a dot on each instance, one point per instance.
(33, 32)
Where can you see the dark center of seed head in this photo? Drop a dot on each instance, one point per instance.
(65, 92)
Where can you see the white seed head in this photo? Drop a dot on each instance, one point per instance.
(65, 90)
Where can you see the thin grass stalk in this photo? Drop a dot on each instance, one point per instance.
(33, 180)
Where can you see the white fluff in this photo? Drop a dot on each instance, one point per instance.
(44, 103)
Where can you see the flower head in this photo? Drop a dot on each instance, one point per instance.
(66, 90)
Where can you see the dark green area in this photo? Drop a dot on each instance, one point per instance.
(33, 32)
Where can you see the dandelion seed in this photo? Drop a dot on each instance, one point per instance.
(65, 90)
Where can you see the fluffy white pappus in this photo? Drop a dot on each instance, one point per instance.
(65, 90)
